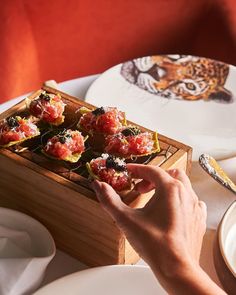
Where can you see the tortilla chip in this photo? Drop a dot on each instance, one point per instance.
(94, 176)
(72, 159)
(19, 141)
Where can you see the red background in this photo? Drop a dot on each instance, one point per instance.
(64, 39)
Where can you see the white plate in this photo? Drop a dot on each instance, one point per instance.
(106, 280)
(136, 87)
(227, 238)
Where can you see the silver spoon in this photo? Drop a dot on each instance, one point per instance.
(210, 165)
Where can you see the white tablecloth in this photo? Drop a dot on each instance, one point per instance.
(63, 264)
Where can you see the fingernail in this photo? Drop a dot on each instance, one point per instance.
(172, 172)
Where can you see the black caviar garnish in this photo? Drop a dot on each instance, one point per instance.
(12, 122)
(44, 96)
(111, 163)
(62, 139)
(131, 131)
(98, 111)
(63, 135)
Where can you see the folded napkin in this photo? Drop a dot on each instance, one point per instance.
(216, 197)
(23, 259)
(14, 243)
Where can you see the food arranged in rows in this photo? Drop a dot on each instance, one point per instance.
(104, 130)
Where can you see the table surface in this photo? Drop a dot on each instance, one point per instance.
(63, 264)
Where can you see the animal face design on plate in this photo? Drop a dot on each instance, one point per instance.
(180, 77)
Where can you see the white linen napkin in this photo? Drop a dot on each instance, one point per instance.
(14, 243)
(26, 248)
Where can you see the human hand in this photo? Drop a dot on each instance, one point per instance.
(167, 233)
(170, 226)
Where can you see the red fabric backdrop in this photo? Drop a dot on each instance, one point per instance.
(64, 39)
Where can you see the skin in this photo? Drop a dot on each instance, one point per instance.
(168, 232)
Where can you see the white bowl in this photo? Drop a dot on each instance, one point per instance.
(24, 261)
(225, 250)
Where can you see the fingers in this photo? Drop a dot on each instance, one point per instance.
(144, 186)
(109, 199)
(152, 174)
(181, 176)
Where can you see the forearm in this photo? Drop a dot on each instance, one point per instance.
(191, 280)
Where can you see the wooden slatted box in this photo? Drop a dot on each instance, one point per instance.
(62, 200)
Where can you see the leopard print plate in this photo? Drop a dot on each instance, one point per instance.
(179, 76)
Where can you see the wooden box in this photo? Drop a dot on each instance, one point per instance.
(62, 199)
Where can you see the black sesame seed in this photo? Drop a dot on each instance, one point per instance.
(12, 122)
(98, 111)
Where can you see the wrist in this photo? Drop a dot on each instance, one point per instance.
(187, 278)
(171, 259)
(174, 266)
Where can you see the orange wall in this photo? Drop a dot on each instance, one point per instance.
(64, 39)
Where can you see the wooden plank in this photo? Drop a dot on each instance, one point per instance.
(131, 257)
(178, 160)
(49, 174)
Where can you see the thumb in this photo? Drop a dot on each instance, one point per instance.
(109, 199)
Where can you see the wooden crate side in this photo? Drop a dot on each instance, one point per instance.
(182, 149)
(41, 170)
(178, 160)
(79, 225)
(131, 256)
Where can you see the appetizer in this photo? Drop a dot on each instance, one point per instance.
(48, 108)
(132, 142)
(67, 145)
(104, 120)
(15, 130)
(111, 170)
